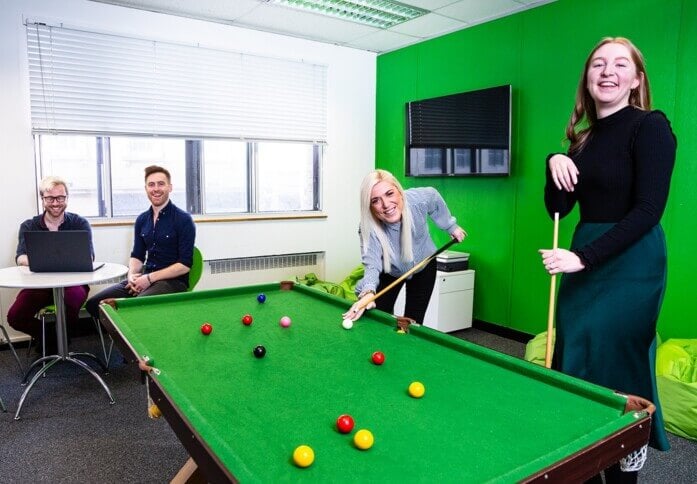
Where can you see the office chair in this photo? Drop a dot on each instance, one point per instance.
(47, 315)
(6, 337)
(196, 269)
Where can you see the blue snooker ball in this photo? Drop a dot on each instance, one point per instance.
(261, 298)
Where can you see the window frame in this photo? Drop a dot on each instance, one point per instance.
(194, 189)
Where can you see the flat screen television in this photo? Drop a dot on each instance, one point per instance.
(465, 134)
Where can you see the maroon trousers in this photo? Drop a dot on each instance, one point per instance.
(22, 314)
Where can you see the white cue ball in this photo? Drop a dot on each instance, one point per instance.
(347, 324)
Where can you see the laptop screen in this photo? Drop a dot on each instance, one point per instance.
(59, 251)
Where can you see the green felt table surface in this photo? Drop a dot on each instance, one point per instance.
(484, 417)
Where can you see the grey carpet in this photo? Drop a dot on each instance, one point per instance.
(69, 433)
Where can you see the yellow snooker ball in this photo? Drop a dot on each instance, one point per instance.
(417, 389)
(303, 456)
(363, 439)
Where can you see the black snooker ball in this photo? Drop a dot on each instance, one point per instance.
(259, 351)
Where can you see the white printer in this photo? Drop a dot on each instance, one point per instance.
(452, 261)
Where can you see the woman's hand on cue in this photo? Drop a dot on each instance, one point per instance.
(359, 307)
(561, 260)
(459, 234)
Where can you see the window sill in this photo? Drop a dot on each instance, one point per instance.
(116, 222)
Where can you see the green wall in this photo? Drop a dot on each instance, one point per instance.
(540, 52)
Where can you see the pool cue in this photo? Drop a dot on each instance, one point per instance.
(408, 273)
(552, 287)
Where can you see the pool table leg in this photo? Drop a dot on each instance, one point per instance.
(189, 473)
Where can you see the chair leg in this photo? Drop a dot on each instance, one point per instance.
(12, 348)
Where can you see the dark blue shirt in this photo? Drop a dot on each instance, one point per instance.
(71, 221)
(170, 240)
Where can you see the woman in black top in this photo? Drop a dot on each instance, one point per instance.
(618, 170)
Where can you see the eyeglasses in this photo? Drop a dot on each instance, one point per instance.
(59, 199)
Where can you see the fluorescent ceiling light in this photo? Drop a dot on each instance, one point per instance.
(376, 13)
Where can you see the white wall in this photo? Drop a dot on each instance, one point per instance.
(348, 156)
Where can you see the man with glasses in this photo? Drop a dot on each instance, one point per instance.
(22, 314)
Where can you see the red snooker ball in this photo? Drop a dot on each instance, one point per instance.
(206, 328)
(247, 319)
(344, 424)
(378, 357)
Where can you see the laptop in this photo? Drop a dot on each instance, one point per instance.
(60, 251)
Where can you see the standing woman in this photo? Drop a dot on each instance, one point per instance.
(394, 238)
(618, 169)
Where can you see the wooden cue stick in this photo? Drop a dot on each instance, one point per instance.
(552, 287)
(407, 274)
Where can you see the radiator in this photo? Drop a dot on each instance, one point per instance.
(239, 271)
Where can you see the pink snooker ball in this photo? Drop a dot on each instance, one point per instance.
(285, 321)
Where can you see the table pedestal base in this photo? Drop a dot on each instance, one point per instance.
(49, 361)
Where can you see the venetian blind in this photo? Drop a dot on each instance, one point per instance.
(88, 82)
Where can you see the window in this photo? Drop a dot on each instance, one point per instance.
(75, 159)
(226, 176)
(105, 174)
(287, 175)
(239, 133)
(128, 158)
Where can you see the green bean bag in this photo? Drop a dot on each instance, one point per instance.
(536, 348)
(676, 378)
(344, 289)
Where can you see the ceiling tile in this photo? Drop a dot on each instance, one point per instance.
(383, 41)
(534, 3)
(446, 16)
(476, 11)
(428, 4)
(276, 18)
(213, 10)
(429, 25)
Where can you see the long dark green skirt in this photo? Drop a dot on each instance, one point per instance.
(606, 319)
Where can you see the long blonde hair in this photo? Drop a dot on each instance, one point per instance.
(371, 224)
(584, 108)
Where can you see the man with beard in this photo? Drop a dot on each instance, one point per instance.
(163, 246)
(22, 314)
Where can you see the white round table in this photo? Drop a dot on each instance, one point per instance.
(22, 277)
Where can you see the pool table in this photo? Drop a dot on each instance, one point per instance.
(485, 416)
